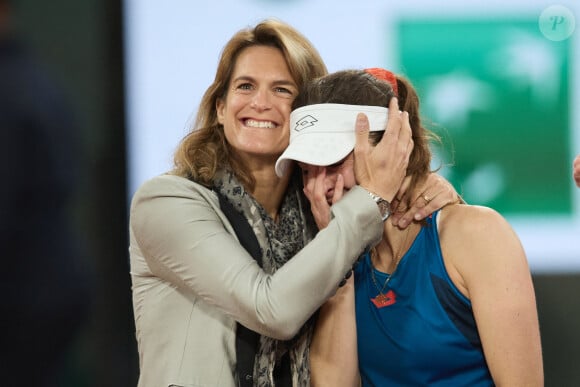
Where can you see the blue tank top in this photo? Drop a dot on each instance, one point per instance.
(424, 333)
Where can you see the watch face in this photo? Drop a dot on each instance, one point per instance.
(385, 208)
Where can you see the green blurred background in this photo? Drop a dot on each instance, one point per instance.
(498, 92)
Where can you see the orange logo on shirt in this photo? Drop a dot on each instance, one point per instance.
(383, 300)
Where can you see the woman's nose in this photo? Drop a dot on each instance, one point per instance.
(261, 100)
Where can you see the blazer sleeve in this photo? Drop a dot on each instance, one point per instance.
(183, 240)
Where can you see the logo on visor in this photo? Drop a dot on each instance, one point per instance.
(305, 122)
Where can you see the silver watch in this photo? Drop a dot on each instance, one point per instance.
(384, 205)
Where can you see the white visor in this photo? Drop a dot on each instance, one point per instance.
(324, 134)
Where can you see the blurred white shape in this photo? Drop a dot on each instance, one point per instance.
(485, 183)
(527, 61)
(453, 96)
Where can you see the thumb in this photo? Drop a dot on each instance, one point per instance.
(361, 133)
(361, 149)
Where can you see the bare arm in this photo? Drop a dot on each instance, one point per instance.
(333, 352)
(487, 262)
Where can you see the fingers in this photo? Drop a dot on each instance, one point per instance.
(427, 198)
(338, 189)
(397, 208)
(406, 135)
(315, 193)
(308, 178)
(419, 209)
(318, 190)
(398, 126)
(435, 203)
(381, 169)
(361, 148)
(394, 118)
(312, 184)
(362, 132)
(435, 193)
(404, 187)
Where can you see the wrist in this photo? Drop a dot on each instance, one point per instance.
(378, 191)
(383, 205)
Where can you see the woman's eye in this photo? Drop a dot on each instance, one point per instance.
(244, 86)
(284, 92)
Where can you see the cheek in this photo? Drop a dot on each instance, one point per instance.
(228, 107)
(285, 129)
(349, 179)
(285, 137)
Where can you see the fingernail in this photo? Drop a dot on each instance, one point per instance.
(360, 122)
(418, 216)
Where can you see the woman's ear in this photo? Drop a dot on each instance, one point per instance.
(219, 107)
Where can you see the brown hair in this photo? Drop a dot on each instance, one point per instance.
(357, 87)
(204, 150)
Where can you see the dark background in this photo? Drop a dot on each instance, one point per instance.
(81, 44)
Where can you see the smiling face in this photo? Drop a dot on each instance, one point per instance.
(256, 109)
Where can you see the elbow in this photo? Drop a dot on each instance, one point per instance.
(283, 331)
(276, 318)
(280, 327)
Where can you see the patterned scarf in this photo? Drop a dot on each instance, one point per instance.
(279, 241)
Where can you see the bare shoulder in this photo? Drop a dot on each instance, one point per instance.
(476, 240)
(464, 220)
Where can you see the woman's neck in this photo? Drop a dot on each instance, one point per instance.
(269, 189)
(394, 244)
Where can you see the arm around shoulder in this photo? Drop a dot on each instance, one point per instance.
(178, 233)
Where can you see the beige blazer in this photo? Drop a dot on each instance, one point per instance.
(192, 280)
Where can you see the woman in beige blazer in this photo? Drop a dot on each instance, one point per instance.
(193, 280)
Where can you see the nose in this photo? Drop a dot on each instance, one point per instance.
(261, 100)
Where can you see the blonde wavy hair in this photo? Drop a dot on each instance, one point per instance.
(204, 150)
